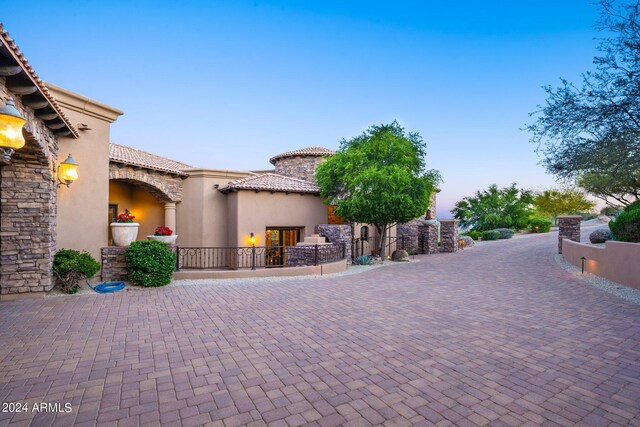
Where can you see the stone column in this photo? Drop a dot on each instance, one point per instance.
(449, 235)
(568, 228)
(428, 237)
(170, 216)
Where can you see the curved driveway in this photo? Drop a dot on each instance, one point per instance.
(497, 334)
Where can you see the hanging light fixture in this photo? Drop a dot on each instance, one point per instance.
(11, 123)
(67, 171)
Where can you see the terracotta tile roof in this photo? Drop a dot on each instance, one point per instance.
(309, 151)
(132, 156)
(272, 182)
(14, 50)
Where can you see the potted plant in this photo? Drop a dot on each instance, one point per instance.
(123, 229)
(164, 234)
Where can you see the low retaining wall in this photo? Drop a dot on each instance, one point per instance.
(114, 265)
(328, 268)
(616, 261)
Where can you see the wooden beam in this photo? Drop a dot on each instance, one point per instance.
(9, 70)
(55, 124)
(46, 114)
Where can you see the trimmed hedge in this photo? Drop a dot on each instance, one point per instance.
(626, 227)
(505, 233)
(540, 225)
(150, 263)
(490, 235)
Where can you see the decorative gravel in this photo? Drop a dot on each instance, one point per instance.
(614, 288)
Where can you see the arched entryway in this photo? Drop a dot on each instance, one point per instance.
(148, 195)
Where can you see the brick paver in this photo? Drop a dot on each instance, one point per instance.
(494, 335)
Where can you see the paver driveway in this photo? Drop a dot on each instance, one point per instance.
(497, 334)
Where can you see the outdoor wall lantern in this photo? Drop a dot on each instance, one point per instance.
(11, 123)
(252, 238)
(67, 172)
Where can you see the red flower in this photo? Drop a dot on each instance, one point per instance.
(124, 217)
(163, 231)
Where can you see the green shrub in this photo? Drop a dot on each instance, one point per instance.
(540, 225)
(632, 207)
(71, 266)
(626, 227)
(490, 235)
(505, 233)
(475, 235)
(586, 216)
(363, 260)
(150, 263)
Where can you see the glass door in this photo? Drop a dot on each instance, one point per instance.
(277, 239)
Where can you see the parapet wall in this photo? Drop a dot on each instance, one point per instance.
(616, 261)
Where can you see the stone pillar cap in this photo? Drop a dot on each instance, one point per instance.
(568, 216)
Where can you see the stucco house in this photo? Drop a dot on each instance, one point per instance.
(207, 208)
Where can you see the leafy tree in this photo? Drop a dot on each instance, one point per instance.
(495, 207)
(561, 202)
(379, 178)
(592, 133)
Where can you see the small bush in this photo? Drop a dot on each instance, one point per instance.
(490, 235)
(505, 233)
(540, 225)
(626, 227)
(475, 235)
(609, 211)
(150, 263)
(363, 260)
(72, 266)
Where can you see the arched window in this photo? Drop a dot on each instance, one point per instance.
(364, 233)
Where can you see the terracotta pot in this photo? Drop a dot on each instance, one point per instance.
(124, 233)
(165, 239)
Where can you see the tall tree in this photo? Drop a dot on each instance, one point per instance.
(495, 207)
(594, 129)
(561, 202)
(379, 178)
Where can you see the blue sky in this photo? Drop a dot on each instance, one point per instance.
(228, 84)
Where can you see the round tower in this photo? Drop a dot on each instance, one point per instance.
(300, 164)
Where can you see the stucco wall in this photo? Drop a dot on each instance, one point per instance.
(258, 210)
(617, 261)
(149, 212)
(82, 208)
(202, 216)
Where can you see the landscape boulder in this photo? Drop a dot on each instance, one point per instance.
(400, 255)
(600, 236)
(468, 241)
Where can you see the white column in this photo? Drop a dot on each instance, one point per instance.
(170, 216)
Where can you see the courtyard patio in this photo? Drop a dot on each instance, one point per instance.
(498, 334)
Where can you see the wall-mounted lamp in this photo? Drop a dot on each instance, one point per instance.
(66, 172)
(252, 239)
(11, 123)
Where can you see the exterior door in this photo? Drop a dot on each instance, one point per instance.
(277, 239)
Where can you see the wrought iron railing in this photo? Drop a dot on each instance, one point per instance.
(253, 257)
(371, 245)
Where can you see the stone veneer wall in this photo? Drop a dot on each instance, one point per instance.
(164, 187)
(338, 234)
(449, 235)
(428, 237)
(114, 264)
(408, 235)
(28, 210)
(568, 228)
(299, 167)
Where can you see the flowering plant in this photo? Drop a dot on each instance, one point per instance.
(163, 231)
(125, 217)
